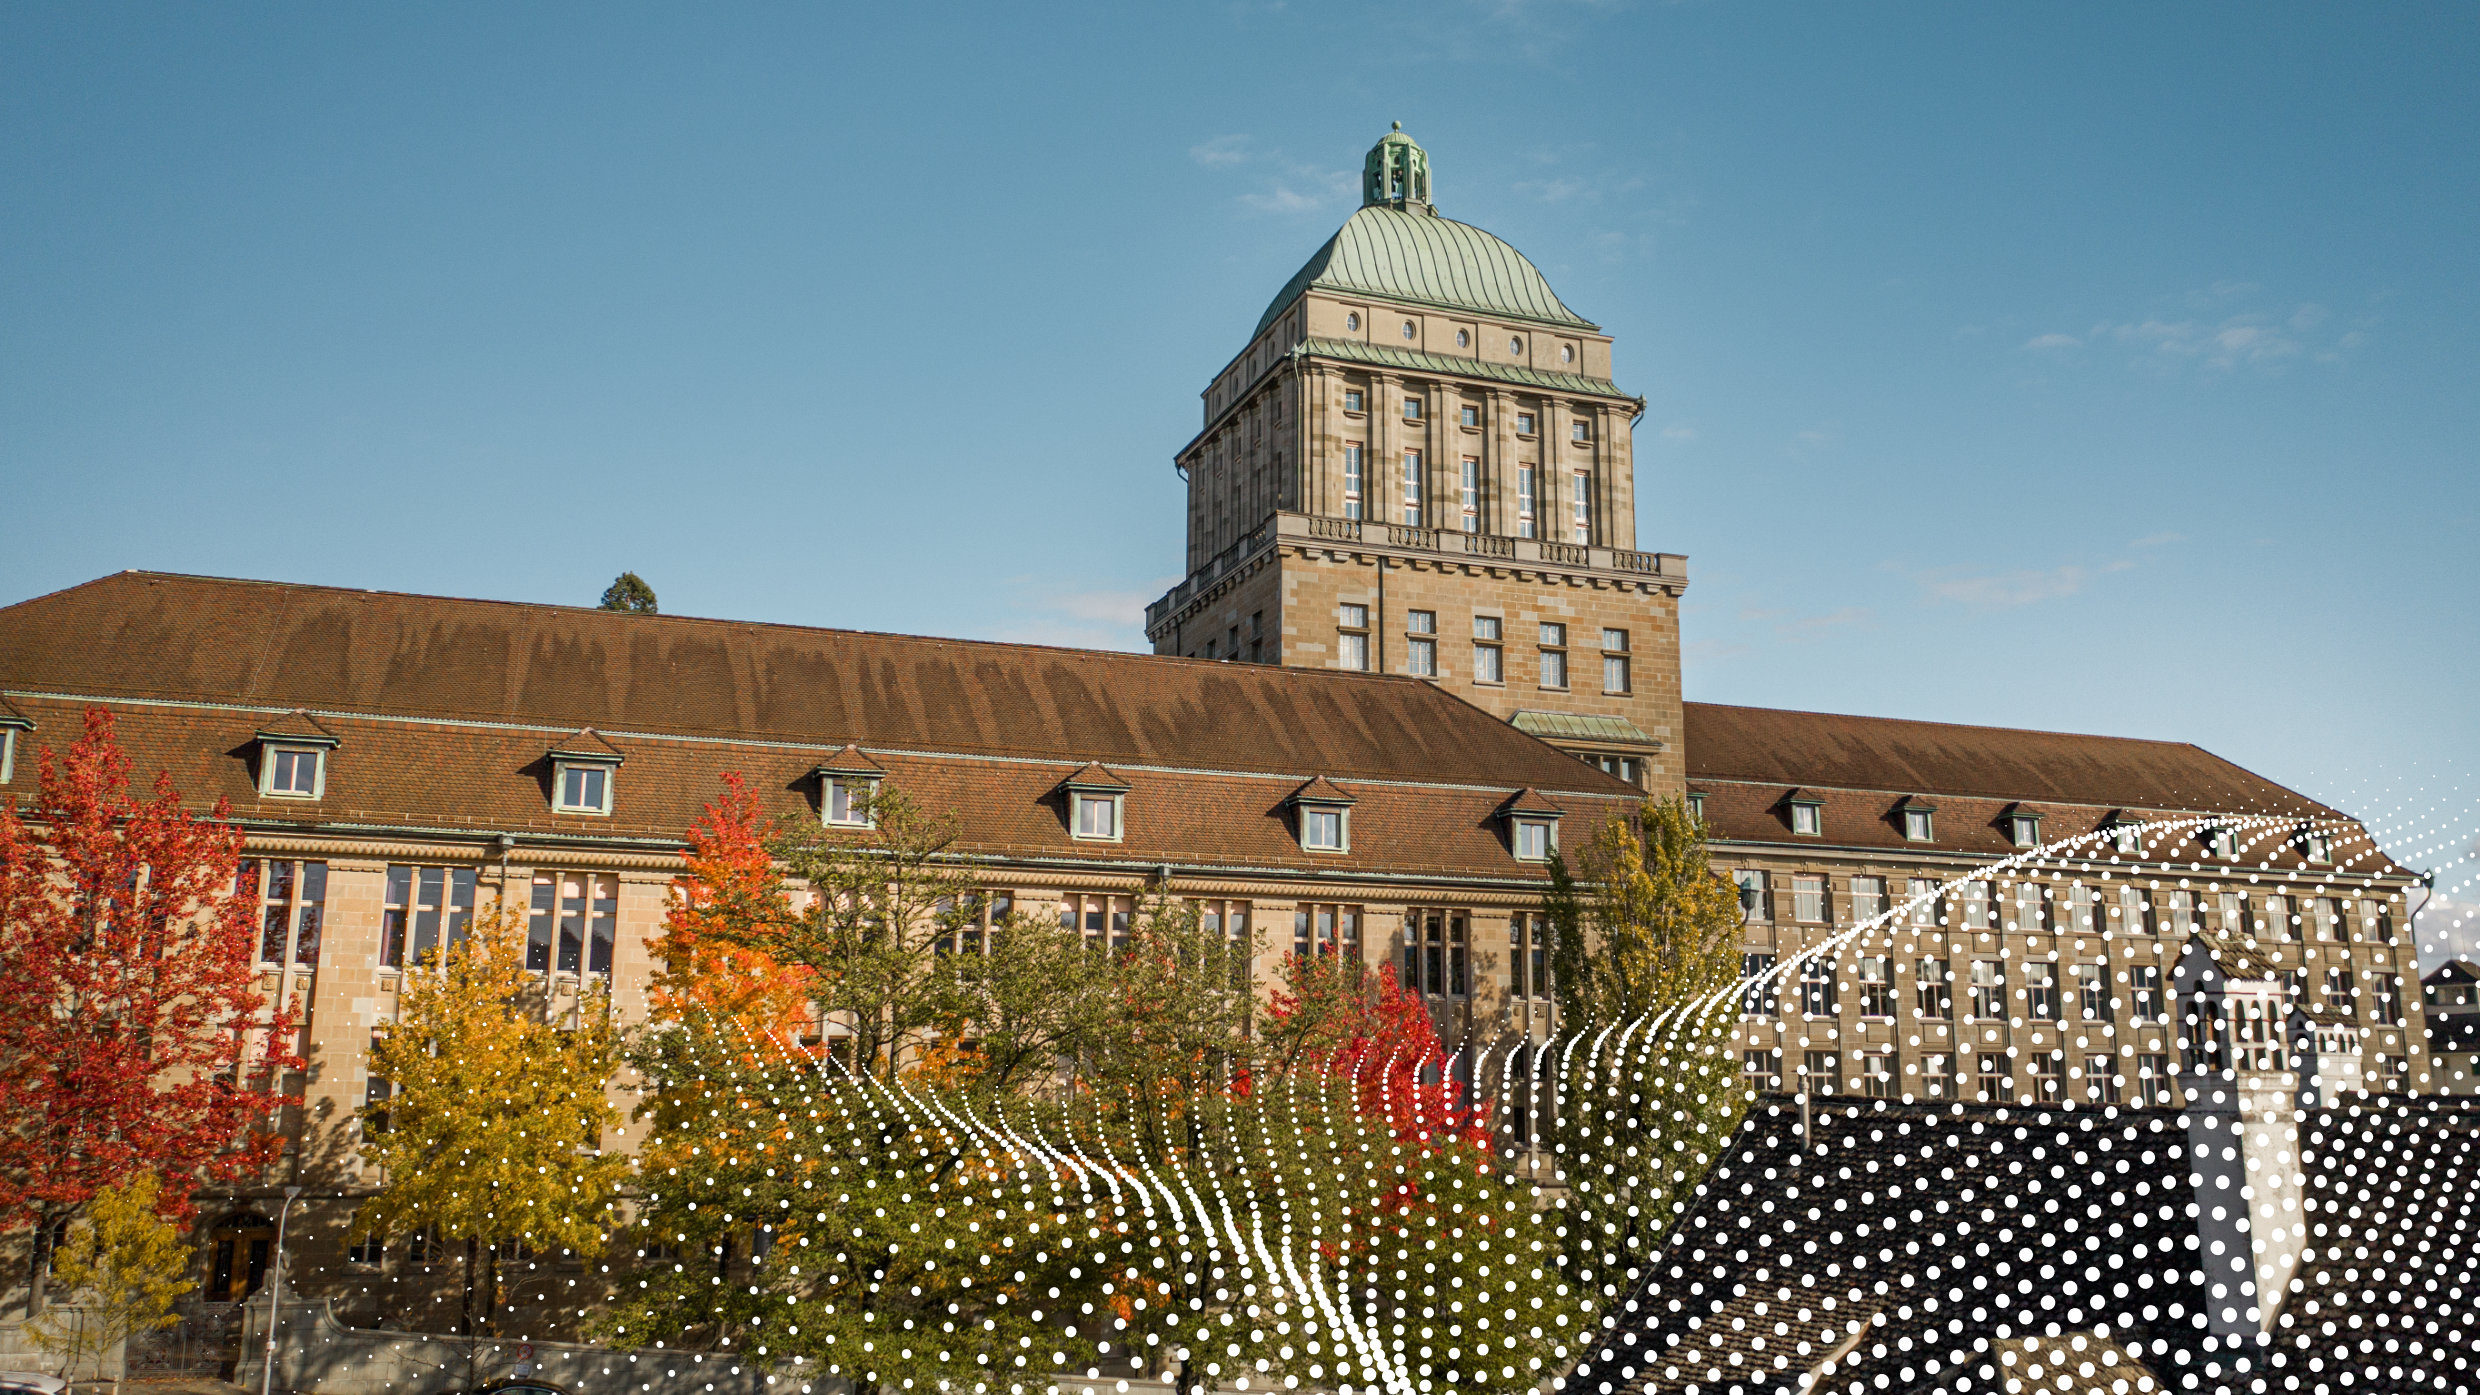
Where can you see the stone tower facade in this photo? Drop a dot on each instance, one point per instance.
(1420, 464)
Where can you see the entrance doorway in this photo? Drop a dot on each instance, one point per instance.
(243, 1247)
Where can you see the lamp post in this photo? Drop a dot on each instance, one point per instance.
(275, 1293)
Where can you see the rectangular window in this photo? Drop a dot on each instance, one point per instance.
(1877, 1074)
(1321, 830)
(2100, 1078)
(1412, 487)
(1581, 508)
(572, 922)
(2134, 913)
(1434, 951)
(2178, 914)
(972, 923)
(1524, 423)
(1933, 989)
(292, 899)
(1876, 985)
(2049, 1084)
(1614, 661)
(1993, 1076)
(1868, 898)
(1808, 900)
(2092, 989)
(1937, 1075)
(1412, 409)
(292, 773)
(1553, 654)
(1489, 661)
(2277, 923)
(2393, 1075)
(1352, 400)
(1916, 825)
(1103, 921)
(1352, 641)
(1533, 840)
(1472, 416)
(2071, 909)
(2025, 912)
(426, 910)
(1469, 490)
(1807, 820)
(1528, 955)
(584, 789)
(2340, 990)
(1754, 904)
(2144, 993)
(848, 802)
(1817, 990)
(1988, 990)
(1527, 496)
(1759, 995)
(1821, 1072)
(1352, 483)
(2328, 924)
(2153, 1079)
(1921, 894)
(2041, 991)
(1756, 1070)
(1421, 644)
(2233, 907)
(1097, 816)
(2376, 923)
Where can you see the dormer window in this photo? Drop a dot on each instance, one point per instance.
(1808, 818)
(2024, 830)
(292, 758)
(11, 723)
(1097, 816)
(2223, 842)
(292, 772)
(1322, 811)
(2312, 844)
(1097, 803)
(1919, 821)
(1696, 805)
(583, 770)
(847, 787)
(1532, 826)
(583, 789)
(1535, 839)
(2126, 834)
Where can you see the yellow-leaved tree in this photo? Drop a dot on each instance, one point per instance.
(1645, 965)
(120, 1272)
(492, 1133)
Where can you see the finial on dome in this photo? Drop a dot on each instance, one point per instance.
(1396, 173)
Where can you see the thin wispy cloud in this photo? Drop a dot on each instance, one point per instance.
(1798, 629)
(2158, 540)
(1678, 431)
(2214, 335)
(1286, 186)
(1044, 612)
(2008, 590)
(1220, 151)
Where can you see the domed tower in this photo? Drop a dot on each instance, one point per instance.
(1421, 465)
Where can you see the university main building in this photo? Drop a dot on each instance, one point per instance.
(1417, 647)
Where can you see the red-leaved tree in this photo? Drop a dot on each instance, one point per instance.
(134, 1035)
(731, 886)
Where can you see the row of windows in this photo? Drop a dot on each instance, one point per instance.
(2051, 1077)
(1362, 496)
(2085, 991)
(300, 772)
(1806, 816)
(1579, 430)
(1489, 655)
(571, 921)
(2074, 908)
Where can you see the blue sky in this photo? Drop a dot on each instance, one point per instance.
(2100, 368)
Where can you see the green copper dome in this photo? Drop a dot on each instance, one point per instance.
(1397, 248)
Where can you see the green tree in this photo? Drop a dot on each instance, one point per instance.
(1645, 965)
(492, 1134)
(629, 592)
(122, 1268)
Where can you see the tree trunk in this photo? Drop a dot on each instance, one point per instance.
(40, 1265)
(465, 1308)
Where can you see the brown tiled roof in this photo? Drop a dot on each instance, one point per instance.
(1093, 775)
(1529, 801)
(281, 646)
(13, 716)
(1323, 791)
(588, 744)
(297, 725)
(850, 761)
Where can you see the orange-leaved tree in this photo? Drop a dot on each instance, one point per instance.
(134, 1034)
(731, 895)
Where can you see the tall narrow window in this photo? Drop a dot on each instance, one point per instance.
(292, 910)
(1470, 491)
(1988, 990)
(1553, 654)
(2041, 988)
(1933, 989)
(2144, 992)
(1352, 490)
(1489, 660)
(1412, 488)
(1868, 898)
(1528, 955)
(1527, 497)
(1435, 952)
(1817, 995)
(1921, 893)
(1876, 985)
(1581, 508)
(1759, 994)
(1352, 637)
(1754, 904)
(1421, 643)
(572, 922)
(1808, 900)
(1104, 921)
(1614, 661)
(427, 909)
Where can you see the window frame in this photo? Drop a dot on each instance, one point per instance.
(1414, 500)
(270, 754)
(863, 786)
(1546, 829)
(1355, 400)
(1808, 818)
(1309, 811)
(1580, 508)
(1078, 800)
(1927, 825)
(1528, 500)
(8, 749)
(562, 769)
(1553, 643)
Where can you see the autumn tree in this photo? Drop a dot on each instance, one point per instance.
(492, 1134)
(124, 1266)
(1645, 966)
(134, 1036)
